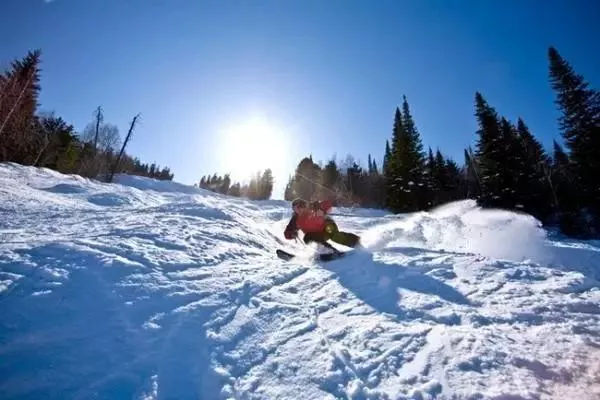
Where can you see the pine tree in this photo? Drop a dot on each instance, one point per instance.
(57, 147)
(580, 125)
(225, 184)
(288, 193)
(410, 163)
(453, 181)
(355, 181)
(394, 185)
(570, 219)
(19, 91)
(306, 178)
(405, 178)
(235, 190)
(432, 185)
(374, 168)
(373, 185)
(490, 154)
(386, 159)
(329, 180)
(535, 190)
(510, 167)
(471, 188)
(266, 185)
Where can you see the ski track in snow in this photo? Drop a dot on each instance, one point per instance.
(154, 290)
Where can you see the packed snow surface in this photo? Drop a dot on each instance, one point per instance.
(156, 290)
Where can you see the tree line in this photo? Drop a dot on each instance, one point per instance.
(42, 139)
(508, 167)
(260, 186)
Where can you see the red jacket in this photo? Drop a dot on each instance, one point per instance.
(308, 221)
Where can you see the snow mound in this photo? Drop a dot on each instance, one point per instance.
(65, 188)
(155, 290)
(463, 227)
(143, 183)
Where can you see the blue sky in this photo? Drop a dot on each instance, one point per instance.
(324, 76)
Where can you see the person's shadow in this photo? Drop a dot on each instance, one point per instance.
(377, 283)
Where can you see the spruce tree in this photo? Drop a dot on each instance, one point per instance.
(386, 159)
(288, 193)
(453, 181)
(536, 193)
(394, 192)
(235, 190)
(19, 95)
(440, 177)
(225, 184)
(432, 184)
(329, 179)
(510, 167)
(306, 178)
(580, 125)
(405, 181)
(266, 185)
(490, 154)
(472, 189)
(414, 161)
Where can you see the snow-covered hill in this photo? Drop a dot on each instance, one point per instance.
(154, 290)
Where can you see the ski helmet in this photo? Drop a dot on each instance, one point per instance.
(299, 202)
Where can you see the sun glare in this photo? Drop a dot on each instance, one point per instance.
(253, 146)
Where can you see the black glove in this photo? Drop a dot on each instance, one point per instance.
(291, 234)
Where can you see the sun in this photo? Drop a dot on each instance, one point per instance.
(253, 146)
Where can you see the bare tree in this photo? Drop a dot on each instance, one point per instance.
(99, 120)
(104, 140)
(116, 164)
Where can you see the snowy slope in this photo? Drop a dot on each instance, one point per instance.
(154, 290)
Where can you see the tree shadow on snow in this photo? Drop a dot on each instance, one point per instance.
(378, 283)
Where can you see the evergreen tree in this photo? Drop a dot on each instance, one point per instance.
(386, 159)
(580, 125)
(306, 178)
(19, 92)
(330, 178)
(355, 181)
(490, 154)
(235, 190)
(407, 164)
(535, 190)
(453, 181)
(394, 195)
(431, 173)
(471, 188)
(570, 219)
(288, 193)
(510, 167)
(225, 184)
(58, 144)
(266, 184)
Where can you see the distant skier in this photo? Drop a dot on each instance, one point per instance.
(312, 219)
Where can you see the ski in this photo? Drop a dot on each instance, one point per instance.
(284, 255)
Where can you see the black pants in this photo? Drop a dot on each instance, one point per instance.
(331, 232)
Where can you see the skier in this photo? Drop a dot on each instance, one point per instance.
(312, 219)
